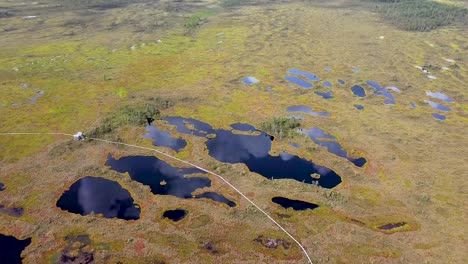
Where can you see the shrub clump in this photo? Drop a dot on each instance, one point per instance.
(231, 3)
(422, 15)
(281, 127)
(125, 116)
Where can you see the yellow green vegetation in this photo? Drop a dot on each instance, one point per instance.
(104, 65)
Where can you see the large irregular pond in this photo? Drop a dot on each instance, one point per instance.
(253, 151)
(99, 196)
(324, 139)
(160, 176)
(164, 179)
(11, 248)
(296, 205)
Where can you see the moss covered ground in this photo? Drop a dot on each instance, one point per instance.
(91, 61)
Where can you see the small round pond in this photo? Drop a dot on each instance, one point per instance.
(175, 215)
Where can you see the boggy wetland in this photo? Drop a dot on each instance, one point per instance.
(344, 121)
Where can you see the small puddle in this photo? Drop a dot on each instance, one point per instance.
(327, 84)
(324, 139)
(355, 70)
(392, 226)
(295, 145)
(359, 107)
(341, 82)
(164, 139)
(175, 215)
(2, 187)
(307, 75)
(161, 177)
(216, 197)
(250, 80)
(306, 110)
(328, 68)
(325, 95)
(296, 205)
(35, 97)
(439, 117)
(413, 105)
(438, 106)
(358, 91)
(95, 195)
(298, 81)
(393, 88)
(441, 96)
(11, 248)
(379, 91)
(12, 211)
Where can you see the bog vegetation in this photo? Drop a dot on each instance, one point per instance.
(422, 15)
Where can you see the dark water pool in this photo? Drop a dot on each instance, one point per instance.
(2, 187)
(379, 91)
(324, 139)
(307, 75)
(175, 215)
(413, 105)
(439, 116)
(341, 82)
(359, 107)
(243, 127)
(297, 205)
(325, 95)
(164, 139)
(358, 91)
(99, 196)
(327, 84)
(392, 226)
(253, 151)
(161, 177)
(298, 81)
(11, 248)
(306, 110)
(216, 197)
(437, 106)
